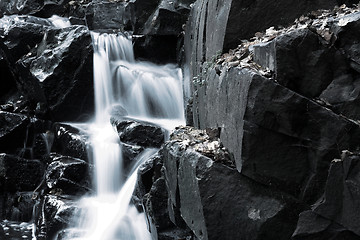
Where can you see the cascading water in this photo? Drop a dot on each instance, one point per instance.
(146, 92)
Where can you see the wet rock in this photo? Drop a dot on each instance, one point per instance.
(70, 141)
(18, 174)
(61, 70)
(19, 34)
(156, 207)
(339, 202)
(56, 214)
(148, 173)
(137, 133)
(299, 136)
(18, 206)
(67, 175)
(13, 131)
(45, 9)
(315, 227)
(130, 152)
(10, 7)
(15, 230)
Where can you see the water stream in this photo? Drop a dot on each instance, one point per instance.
(145, 92)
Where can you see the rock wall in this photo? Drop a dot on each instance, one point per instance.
(215, 26)
(284, 102)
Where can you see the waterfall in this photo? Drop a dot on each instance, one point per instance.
(146, 92)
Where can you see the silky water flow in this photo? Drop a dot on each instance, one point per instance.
(145, 92)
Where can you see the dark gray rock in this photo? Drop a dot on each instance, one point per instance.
(159, 30)
(215, 200)
(307, 72)
(312, 226)
(144, 9)
(67, 175)
(156, 207)
(70, 141)
(326, 71)
(167, 19)
(343, 92)
(339, 202)
(116, 15)
(13, 128)
(130, 154)
(217, 26)
(60, 69)
(211, 199)
(141, 134)
(18, 174)
(261, 15)
(299, 136)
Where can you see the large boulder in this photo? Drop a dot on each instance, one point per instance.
(70, 141)
(220, 25)
(116, 15)
(328, 69)
(55, 214)
(299, 136)
(60, 68)
(208, 196)
(67, 175)
(50, 65)
(159, 29)
(21, 33)
(312, 226)
(339, 202)
(139, 133)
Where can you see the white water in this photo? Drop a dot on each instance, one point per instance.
(146, 92)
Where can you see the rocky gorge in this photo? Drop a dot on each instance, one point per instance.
(271, 149)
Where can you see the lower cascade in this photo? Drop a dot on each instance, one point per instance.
(140, 92)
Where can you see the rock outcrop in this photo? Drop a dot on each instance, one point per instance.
(195, 177)
(285, 104)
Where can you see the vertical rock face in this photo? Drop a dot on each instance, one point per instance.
(286, 105)
(217, 25)
(277, 136)
(208, 196)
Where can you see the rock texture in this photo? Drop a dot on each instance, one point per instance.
(209, 197)
(285, 102)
